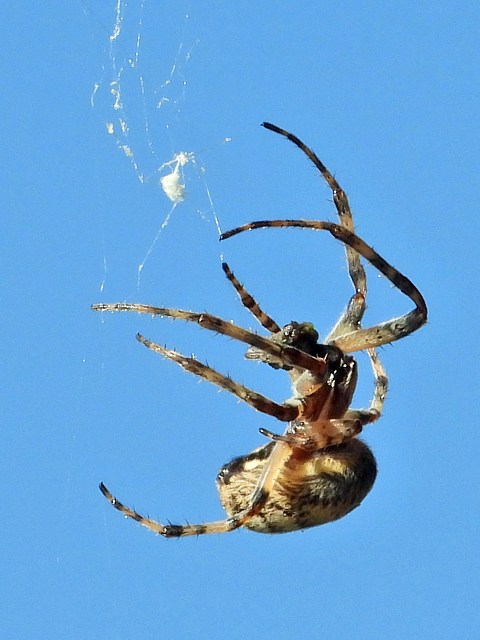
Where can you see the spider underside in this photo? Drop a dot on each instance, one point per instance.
(318, 470)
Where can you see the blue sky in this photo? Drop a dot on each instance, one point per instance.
(388, 96)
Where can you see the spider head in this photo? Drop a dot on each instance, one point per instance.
(301, 335)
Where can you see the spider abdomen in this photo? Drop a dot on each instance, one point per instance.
(319, 489)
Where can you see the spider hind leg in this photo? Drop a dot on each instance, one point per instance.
(180, 530)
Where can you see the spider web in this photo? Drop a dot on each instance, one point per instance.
(142, 112)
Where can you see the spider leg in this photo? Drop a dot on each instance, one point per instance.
(351, 318)
(374, 411)
(289, 355)
(384, 332)
(168, 530)
(339, 196)
(283, 412)
(355, 268)
(279, 455)
(250, 303)
(349, 322)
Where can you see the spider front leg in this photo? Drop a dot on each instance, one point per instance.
(284, 354)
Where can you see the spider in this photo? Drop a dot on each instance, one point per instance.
(317, 471)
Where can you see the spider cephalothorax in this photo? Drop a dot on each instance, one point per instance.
(316, 471)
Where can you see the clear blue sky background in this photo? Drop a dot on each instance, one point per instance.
(388, 95)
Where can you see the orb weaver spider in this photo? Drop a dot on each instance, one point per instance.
(317, 471)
